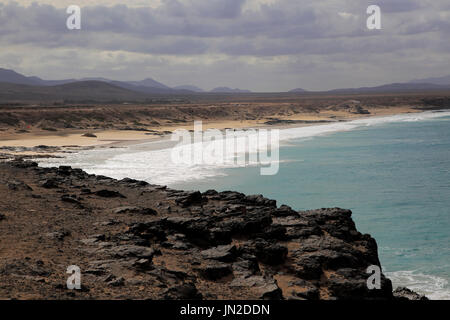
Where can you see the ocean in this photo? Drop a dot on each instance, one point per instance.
(393, 172)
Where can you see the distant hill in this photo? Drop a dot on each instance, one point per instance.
(148, 90)
(137, 90)
(393, 87)
(189, 88)
(148, 85)
(229, 90)
(298, 90)
(11, 76)
(443, 81)
(83, 91)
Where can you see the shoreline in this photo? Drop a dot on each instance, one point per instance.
(43, 144)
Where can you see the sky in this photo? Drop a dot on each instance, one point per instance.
(260, 45)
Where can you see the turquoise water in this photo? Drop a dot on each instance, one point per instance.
(395, 177)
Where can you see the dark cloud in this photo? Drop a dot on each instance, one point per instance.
(280, 33)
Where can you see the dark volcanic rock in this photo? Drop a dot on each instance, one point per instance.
(109, 194)
(131, 251)
(223, 245)
(58, 235)
(70, 199)
(268, 253)
(15, 185)
(186, 291)
(403, 293)
(225, 253)
(215, 270)
(264, 287)
(50, 183)
(135, 210)
(187, 199)
(302, 289)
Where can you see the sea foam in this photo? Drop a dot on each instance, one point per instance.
(155, 166)
(433, 287)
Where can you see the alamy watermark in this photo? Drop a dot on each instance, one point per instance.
(74, 280)
(374, 280)
(73, 22)
(374, 20)
(230, 148)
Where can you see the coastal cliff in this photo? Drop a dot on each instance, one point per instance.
(133, 240)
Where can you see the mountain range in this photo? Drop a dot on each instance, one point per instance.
(16, 87)
(443, 81)
(148, 85)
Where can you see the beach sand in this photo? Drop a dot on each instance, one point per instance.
(71, 140)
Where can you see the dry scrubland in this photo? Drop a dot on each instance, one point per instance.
(62, 117)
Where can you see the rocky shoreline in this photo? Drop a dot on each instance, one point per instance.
(133, 240)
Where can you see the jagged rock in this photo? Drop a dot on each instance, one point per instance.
(50, 184)
(402, 293)
(241, 245)
(187, 199)
(349, 283)
(125, 251)
(24, 164)
(93, 239)
(250, 224)
(284, 210)
(133, 183)
(273, 231)
(110, 222)
(70, 199)
(226, 253)
(271, 254)
(135, 210)
(143, 264)
(260, 201)
(25, 267)
(109, 194)
(64, 170)
(16, 185)
(150, 232)
(215, 270)
(58, 235)
(230, 196)
(117, 282)
(246, 266)
(304, 290)
(200, 231)
(187, 291)
(266, 288)
(210, 193)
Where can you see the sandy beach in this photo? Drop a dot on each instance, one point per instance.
(69, 140)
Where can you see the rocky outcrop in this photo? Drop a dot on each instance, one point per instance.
(403, 293)
(133, 240)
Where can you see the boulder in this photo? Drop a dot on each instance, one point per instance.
(224, 253)
(186, 291)
(265, 288)
(214, 270)
(135, 210)
(404, 294)
(109, 194)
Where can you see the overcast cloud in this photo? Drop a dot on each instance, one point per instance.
(262, 45)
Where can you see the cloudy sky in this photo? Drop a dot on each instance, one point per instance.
(261, 45)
